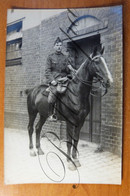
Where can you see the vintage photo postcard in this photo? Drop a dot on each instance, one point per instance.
(63, 96)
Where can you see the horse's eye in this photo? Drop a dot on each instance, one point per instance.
(96, 59)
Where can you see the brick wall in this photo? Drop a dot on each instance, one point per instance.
(20, 77)
(37, 44)
(111, 132)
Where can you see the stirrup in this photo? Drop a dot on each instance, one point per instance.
(52, 118)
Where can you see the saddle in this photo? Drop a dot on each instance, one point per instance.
(62, 85)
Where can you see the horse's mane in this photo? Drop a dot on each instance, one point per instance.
(73, 95)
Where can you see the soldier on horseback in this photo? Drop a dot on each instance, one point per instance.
(57, 69)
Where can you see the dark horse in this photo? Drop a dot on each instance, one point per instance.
(73, 104)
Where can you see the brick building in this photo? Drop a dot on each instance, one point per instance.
(99, 26)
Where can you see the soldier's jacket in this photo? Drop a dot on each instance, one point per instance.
(56, 67)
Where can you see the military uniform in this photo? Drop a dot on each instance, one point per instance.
(56, 67)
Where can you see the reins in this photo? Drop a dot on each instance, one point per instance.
(88, 83)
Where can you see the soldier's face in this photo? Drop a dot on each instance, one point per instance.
(58, 47)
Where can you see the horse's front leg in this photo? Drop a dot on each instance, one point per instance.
(70, 130)
(75, 150)
(38, 131)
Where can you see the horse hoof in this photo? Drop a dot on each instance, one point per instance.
(72, 167)
(40, 152)
(77, 163)
(32, 153)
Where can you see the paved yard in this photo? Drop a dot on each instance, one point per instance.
(20, 167)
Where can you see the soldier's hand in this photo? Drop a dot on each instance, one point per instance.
(54, 82)
(70, 67)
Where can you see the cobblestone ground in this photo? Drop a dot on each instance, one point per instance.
(20, 167)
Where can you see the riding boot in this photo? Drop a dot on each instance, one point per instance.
(52, 116)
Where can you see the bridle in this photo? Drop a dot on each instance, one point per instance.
(96, 80)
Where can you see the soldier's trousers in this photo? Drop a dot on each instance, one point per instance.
(52, 95)
(52, 99)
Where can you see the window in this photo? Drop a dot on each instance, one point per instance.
(14, 44)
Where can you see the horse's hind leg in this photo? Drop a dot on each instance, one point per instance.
(30, 132)
(38, 131)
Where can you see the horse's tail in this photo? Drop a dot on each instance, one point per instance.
(36, 89)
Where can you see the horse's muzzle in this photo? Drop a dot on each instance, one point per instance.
(106, 84)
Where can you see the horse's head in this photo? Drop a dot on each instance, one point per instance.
(100, 68)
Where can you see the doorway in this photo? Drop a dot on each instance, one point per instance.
(92, 125)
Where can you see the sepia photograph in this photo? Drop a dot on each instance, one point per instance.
(63, 111)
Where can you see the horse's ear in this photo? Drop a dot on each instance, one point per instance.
(102, 50)
(94, 52)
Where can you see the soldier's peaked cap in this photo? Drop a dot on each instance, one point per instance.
(57, 40)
